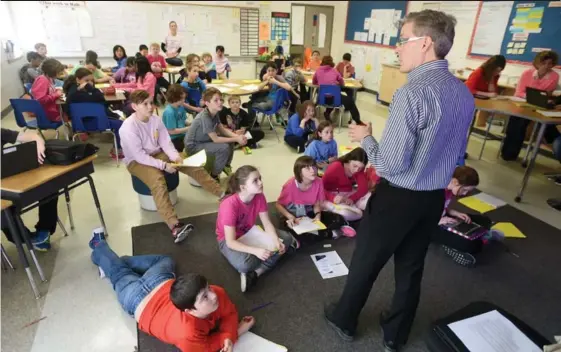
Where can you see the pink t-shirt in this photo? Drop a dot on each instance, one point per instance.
(529, 78)
(233, 212)
(299, 202)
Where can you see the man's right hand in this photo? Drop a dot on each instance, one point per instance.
(170, 169)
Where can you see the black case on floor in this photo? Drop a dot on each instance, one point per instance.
(441, 339)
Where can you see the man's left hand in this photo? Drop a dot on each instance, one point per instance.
(358, 132)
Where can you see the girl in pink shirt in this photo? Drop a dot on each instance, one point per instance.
(541, 76)
(145, 79)
(237, 215)
(303, 196)
(44, 91)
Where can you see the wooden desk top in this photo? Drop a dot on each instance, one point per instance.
(235, 90)
(509, 107)
(6, 204)
(349, 83)
(30, 179)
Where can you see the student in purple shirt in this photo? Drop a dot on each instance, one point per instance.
(126, 74)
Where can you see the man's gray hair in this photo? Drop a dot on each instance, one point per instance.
(437, 25)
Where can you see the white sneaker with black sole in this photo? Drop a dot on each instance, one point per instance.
(181, 231)
(248, 280)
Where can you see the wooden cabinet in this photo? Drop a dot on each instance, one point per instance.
(392, 79)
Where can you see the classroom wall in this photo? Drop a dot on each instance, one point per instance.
(10, 84)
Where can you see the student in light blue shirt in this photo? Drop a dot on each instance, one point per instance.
(193, 82)
(301, 125)
(175, 116)
(323, 149)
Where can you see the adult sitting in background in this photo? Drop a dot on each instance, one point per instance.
(172, 46)
(484, 81)
(542, 77)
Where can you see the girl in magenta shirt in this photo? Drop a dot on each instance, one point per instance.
(237, 215)
(44, 91)
(303, 196)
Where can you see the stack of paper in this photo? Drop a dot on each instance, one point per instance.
(306, 225)
(256, 237)
(249, 342)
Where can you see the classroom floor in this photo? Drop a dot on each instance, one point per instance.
(79, 311)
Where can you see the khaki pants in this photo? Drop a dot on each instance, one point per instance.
(156, 182)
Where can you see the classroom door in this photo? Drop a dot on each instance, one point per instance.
(313, 25)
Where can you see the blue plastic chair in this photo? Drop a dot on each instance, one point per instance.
(212, 74)
(281, 98)
(41, 121)
(91, 117)
(331, 91)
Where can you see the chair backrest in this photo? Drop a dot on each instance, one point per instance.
(280, 98)
(212, 74)
(194, 96)
(329, 90)
(32, 106)
(88, 117)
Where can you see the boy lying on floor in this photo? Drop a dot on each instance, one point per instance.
(185, 311)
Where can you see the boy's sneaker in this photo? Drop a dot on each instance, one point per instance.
(181, 231)
(41, 241)
(114, 155)
(295, 243)
(247, 150)
(462, 258)
(227, 170)
(248, 280)
(98, 235)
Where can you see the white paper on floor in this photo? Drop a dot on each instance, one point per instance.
(250, 342)
(329, 264)
(489, 199)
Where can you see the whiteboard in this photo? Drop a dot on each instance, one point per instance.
(128, 23)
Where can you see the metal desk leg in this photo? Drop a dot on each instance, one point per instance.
(6, 259)
(67, 196)
(23, 258)
(27, 240)
(531, 164)
(97, 205)
(532, 136)
(61, 225)
(489, 123)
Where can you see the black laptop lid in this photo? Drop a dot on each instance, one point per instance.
(19, 158)
(537, 97)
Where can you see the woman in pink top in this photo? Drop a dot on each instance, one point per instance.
(237, 215)
(44, 91)
(541, 76)
(145, 79)
(326, 74)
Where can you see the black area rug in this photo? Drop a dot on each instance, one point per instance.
(526, 283)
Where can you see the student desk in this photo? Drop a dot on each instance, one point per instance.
(223, 84)
(19, 233)
(172, 71)
(510, 108)
(350, 83)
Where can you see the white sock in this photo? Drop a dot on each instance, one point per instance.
(101, 272)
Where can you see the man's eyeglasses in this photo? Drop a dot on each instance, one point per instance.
(403, 41)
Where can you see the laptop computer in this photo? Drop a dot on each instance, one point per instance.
(19, 158)
(539, 98)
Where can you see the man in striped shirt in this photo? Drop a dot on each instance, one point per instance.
(424, 137)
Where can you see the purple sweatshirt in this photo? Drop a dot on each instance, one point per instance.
(140, 140)
(327, 75)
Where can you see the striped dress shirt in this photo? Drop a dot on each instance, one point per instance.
(426, 132)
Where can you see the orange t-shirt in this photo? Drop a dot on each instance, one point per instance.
(314, 64)
(161, 319)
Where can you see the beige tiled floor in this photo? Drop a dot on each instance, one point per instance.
(80, 310)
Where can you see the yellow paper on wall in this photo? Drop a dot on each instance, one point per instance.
(477, 204)
(368, 67)
(509, 229)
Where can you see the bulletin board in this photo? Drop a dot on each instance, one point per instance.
(374, 22)
(528, 27)
(280, 28)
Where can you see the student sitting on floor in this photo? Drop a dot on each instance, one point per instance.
(222, 63)
(303, 196)
(301, 125)
(44, 91)
(142, 51)
(30, 71)
(459, 248)
(175, 116)
(149, 153)
(126, 74)
(323, 149)
(193, 82)
(157, 65)
(120, 56)
(237, 120)
(297, 81)
(327, 75)
(271, 82)
(48, 213)
(237, 214)
(206, 132)
(79, 88)
(346, 185)
(184, 311)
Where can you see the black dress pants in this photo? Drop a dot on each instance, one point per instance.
(396, 222)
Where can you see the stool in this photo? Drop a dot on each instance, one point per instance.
(145, 196)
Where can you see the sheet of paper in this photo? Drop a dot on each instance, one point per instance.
(509, 229)
(329, 264)
(223, 89)
(297, 25)
(322, 30)
(250, 87)
(492, 332)
(256, 237)
(491, 25)
(250, 342)
(378, 38)
(387, 38)
(306, 225)
(367, 23)
(517, 99)
(489, 199)
(248, 135)
(356, 36)
(550, 113)
(371, 36)
(196, 160)
(476, 204)
(231, 85)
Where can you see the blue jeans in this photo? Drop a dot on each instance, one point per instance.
(133, 278)
(557, 148)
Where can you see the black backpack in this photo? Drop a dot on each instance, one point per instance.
(61, 152)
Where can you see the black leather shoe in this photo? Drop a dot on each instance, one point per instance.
(344, 334)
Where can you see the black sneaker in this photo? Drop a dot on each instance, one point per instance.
(462, 258)
(181, 231)
(248, 280)
(344, 334)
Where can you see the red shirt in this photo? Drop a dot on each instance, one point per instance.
(341, 68)
(476, 82)
(161, 319)
(161, 60)
(335, 180)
